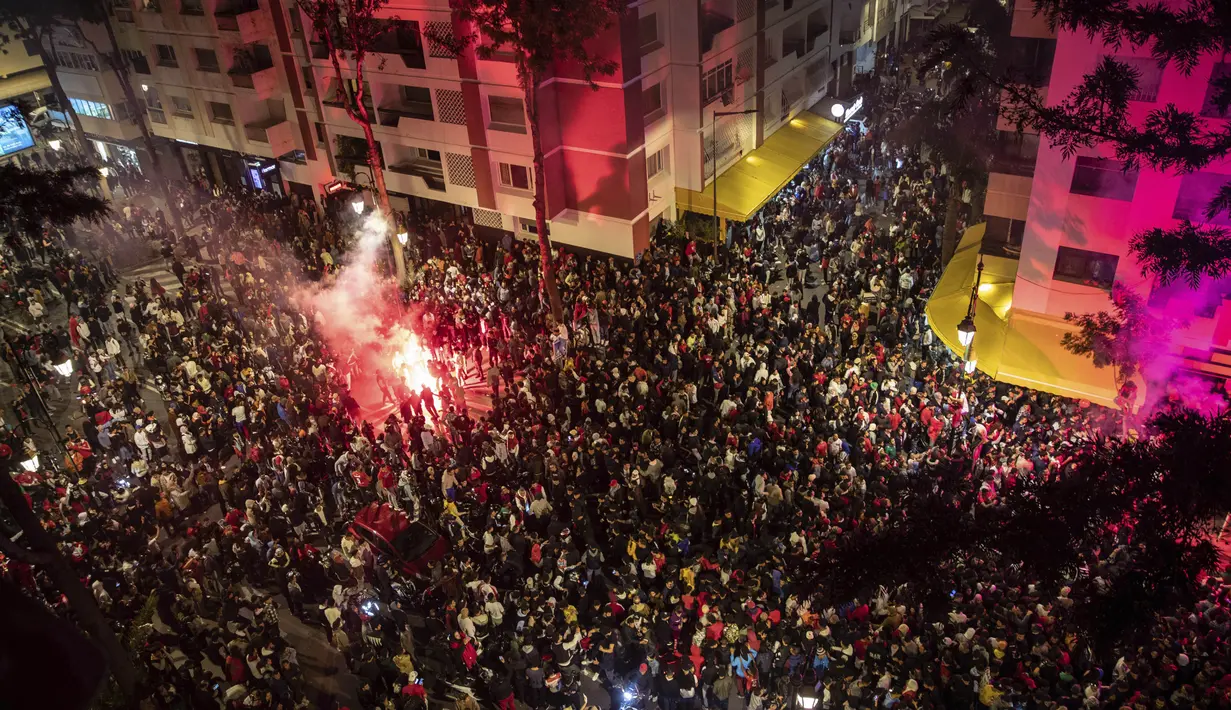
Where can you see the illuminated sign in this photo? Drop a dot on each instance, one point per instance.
(853, 109)
(14, 133)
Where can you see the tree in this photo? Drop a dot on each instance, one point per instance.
(539, 34)
(351, 30)
(1097, 113)
(1127, 340)
(33, 198)
(959, 127)
(40, 20)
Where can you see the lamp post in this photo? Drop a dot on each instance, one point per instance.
(714, 159)
(805, 699)
(103, 172)
(55, 144)
(966, 329)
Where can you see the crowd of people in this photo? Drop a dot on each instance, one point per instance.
(630, 521)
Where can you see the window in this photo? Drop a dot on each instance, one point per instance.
(76, 60)
(508, 114)
(136, 60)
(220, 113)
(183, 107)
(153, 106)
(309, 80)
(652, 102)
(1196, 191)
(647, 28)
(1090, 268)
(166, 55)
(191, 7)
(1002, 230)
(715, 82)
(658, 162)
(94, 109)
(1221, 76)
(417, 102)
(515, 176)
(321, 140)
(207, 59)
(1099, 177)
(1149, 77)
(529, 226)
(787, 5)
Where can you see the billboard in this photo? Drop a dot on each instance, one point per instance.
(14, 133)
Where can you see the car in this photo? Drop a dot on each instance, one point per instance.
(410, 545)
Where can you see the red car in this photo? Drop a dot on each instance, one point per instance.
(409, 544)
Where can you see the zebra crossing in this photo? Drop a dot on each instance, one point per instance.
(160, 270)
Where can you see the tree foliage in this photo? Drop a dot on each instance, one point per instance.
(1125, 523)
(1096, 113)
(1127, 339)
(34, 198)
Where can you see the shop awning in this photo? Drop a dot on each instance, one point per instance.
(24, 83)
(1019, 348)
(748, 184)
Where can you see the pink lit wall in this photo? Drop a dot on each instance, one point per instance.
(1058, 218)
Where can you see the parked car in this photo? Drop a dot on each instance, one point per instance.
(411, 546)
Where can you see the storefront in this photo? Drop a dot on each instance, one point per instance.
(229, 169)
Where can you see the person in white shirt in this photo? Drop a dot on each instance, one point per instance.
(240, 415)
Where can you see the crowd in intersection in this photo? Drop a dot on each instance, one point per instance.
(638, 510)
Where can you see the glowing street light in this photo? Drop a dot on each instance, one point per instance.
(806, 701)
(969, 366)
(55, 144)
(357, 206)
(145, 87)
(837, 111)
(65, 368)
(966, 331)
(403, 237)
(31, 464)
(104, 171)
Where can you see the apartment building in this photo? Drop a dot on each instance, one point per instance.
(886, 24)
(1057, 231)
(243, 92)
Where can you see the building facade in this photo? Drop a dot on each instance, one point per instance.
(243, 93)
(1057, 231)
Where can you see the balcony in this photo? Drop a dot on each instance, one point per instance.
(796, 47)
(248, 19)
(390, 116)
(1013, 165)
(277, 133)
(263, 81)
(713, 23)
(430, 171)
(403, 39)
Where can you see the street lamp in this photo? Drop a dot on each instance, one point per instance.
(403, 237)
(714, 158)
(357, 205)
(55, 144)
(65, 368)
(31, 464)
(104, 171)
(806, 700)
(966, 331)
(837, 110)
(145, 87)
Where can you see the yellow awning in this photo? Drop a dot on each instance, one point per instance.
(23, 83)
(1017, 347)
(748, 184)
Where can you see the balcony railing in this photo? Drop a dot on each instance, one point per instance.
(1013, 165)
(431, 171)
(390, 115)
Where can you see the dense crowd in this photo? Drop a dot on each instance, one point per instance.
(634, 518)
